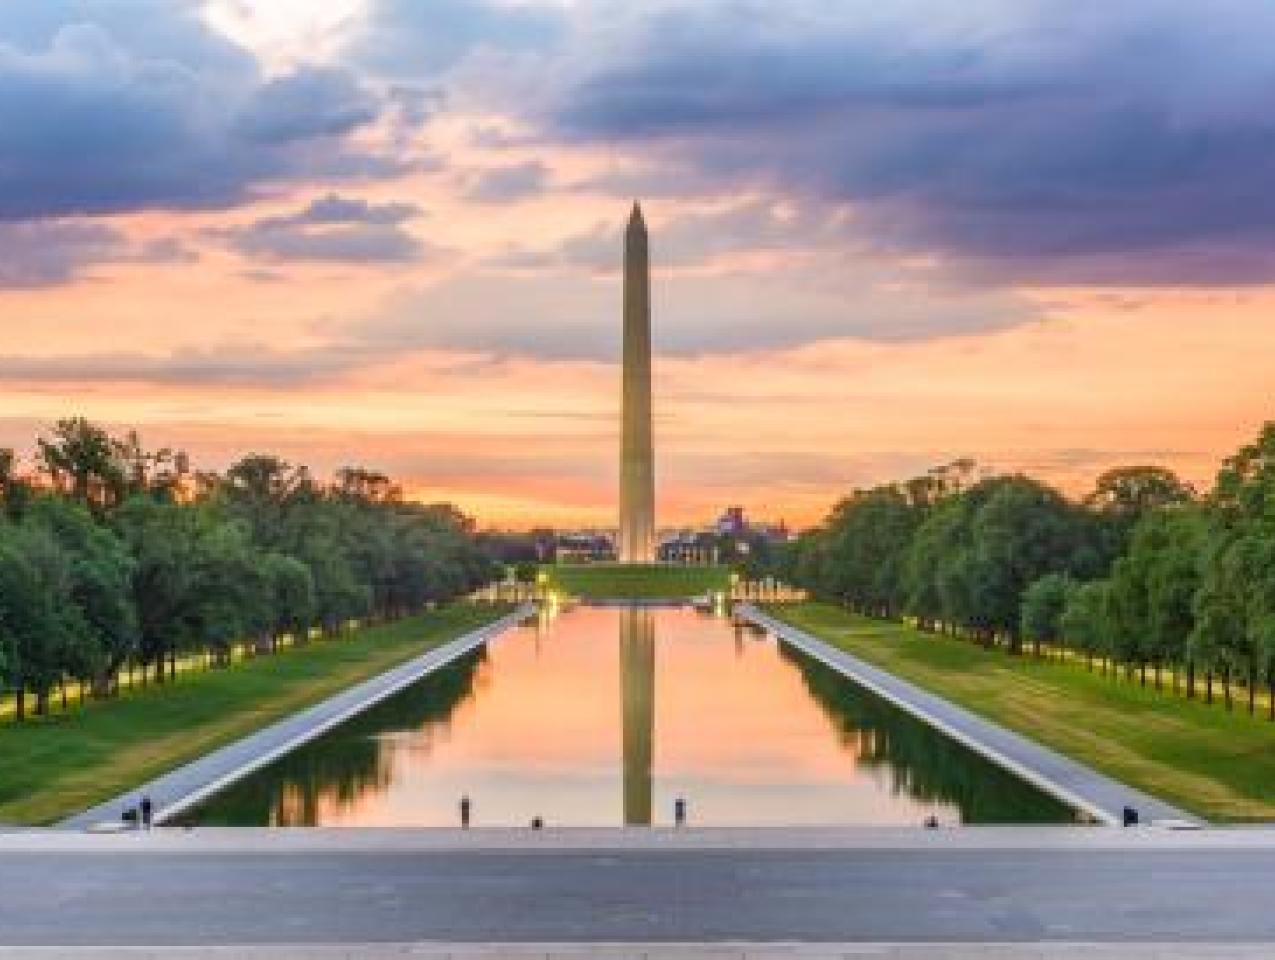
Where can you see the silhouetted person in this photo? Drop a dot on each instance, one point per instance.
(147, 810)
(679, 812)
(537, 823)
(931, 822)
(464, 813)
(1130, 817)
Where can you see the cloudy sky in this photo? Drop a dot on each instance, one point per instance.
(1036, 232)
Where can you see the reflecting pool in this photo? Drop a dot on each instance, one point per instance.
(602, 716)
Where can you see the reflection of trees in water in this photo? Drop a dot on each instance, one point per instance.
(346, 764)
(924, 765)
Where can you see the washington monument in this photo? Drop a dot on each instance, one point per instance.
(637, 471)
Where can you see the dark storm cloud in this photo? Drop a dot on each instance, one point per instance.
(335, 229)
(123, 105)
(310, 102)
(1115, 143)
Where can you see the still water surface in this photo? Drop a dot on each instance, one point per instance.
(604, 716)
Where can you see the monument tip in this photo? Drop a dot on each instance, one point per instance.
(635, 218)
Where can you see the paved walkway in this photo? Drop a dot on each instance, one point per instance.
(654, 951)
(230, 841)
(206, 898)
(1072, 782)
(186, 786)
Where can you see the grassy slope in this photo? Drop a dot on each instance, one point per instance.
(1219, 765)
(55, 766)
(638, 582)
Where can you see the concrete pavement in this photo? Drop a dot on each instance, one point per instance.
(558, 840)
(654, 951)
(1074, 783)
(1190, 890)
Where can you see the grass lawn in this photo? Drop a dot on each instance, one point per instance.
(1219, 765)
(635, 581)
(54, 766)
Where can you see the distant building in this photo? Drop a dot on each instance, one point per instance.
(732, 522)
(583, 547)
(774, 532)
(728, 539)
(690, 547)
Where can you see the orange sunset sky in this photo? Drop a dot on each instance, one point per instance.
(388, 233)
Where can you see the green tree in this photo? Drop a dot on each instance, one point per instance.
(28, 619)
(157, 472)
(1124, 495)
(100, 577)
(1231, 606)
(363, 486)
(1022, 531)
(293, 596)
(260, 489)
(131, 567)
(978, 551)
(869, 535)
(1221, 636)
(933, 588)
(1261, 613)
(319, 537)
(236, 590)
(15, 492)
(1134, 492)
(1044, 603)
(42, 630)
(1086, 619)
(1153, 589)
(81, 461)
(191, 582)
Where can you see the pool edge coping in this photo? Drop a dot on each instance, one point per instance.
(963, 726)
(313, 721)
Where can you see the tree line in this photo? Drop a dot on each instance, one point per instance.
(1144, 577)
(112, 556)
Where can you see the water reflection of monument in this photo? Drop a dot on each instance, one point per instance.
(637, 687)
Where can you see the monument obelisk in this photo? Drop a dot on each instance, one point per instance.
(637, 472)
